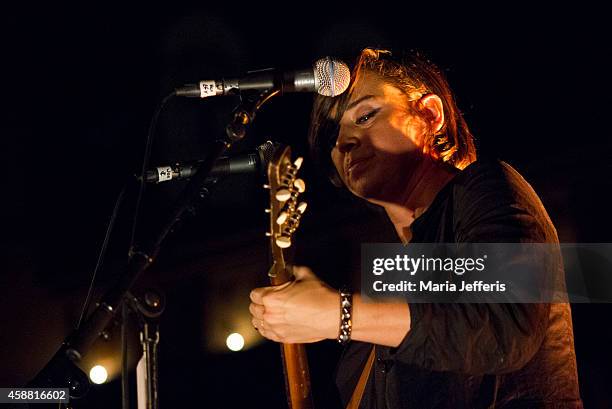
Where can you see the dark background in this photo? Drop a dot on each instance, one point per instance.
(81, 83)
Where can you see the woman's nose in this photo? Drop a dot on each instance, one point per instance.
(347, 141)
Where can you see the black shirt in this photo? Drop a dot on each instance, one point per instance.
(475, 355)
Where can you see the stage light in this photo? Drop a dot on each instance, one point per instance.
(235, 341)
(98, 374)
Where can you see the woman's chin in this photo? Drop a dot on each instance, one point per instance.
(362, 189)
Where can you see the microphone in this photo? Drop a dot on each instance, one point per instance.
(248, 163)
(328, 77)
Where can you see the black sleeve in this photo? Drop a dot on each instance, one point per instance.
(492, 204)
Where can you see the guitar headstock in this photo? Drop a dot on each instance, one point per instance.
(285, 210)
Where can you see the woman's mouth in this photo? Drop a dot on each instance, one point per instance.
(353, 164)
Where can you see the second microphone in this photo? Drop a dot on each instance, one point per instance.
(247, 163)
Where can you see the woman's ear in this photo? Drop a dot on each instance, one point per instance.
(432, 107)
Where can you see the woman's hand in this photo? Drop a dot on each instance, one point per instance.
(299, 311)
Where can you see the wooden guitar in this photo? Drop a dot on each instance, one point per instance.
(285, 213)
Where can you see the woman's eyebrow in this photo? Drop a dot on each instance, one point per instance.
(356, 102)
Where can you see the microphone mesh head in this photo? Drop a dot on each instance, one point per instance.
(266, 152)
(332, 76)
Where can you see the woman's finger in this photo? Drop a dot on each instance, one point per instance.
(257, 310)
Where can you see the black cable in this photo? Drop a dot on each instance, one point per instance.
(125, 398)
(145, 165)
(125, 380)
(101, 255)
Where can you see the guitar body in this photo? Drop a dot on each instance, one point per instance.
(285, 213)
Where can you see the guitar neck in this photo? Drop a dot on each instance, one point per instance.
(285, 213)
(295, 359)
(297, 376)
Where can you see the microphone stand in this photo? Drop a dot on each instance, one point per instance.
(148, 309)
(61, 370)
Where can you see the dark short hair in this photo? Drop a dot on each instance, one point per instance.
(414, 76)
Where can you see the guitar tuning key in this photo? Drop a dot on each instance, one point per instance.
(282, 195)
(283, 241)
(282, 218)
(298, 162)
(300, 185)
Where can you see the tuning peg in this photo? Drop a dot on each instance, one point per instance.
(283, 195)
(282, 218)
(300, 185)
(283, 242)
(302, 207)
(298, 162)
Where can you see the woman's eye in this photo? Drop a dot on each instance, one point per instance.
(365, 118)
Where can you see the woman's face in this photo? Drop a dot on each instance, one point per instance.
(380, 141)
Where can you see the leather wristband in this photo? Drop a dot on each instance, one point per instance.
(346, 315)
